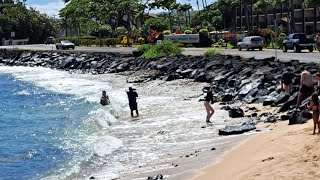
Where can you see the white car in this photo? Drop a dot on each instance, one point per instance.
(251, 42)
(65, 45)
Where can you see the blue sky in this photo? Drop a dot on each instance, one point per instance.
(52, 7)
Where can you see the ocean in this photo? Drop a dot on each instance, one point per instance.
(53, 127)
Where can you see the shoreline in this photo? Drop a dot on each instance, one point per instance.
(286, 152)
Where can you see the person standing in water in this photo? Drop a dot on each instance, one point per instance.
(132, 97)
(104, 100)
(208, 99)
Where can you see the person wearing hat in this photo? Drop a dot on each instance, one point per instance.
(132, 97)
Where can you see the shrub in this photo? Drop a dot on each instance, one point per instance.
(124, 41)
(188, 32)
(204, 31)
(179, 44)
(166, 32)
(164, 49)
(143, 48)
(211, 52)
(141, 40)
(279, 41)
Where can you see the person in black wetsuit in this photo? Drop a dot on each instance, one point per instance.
(104, 100)
(286, 81)
(132, 97)
(208, 99)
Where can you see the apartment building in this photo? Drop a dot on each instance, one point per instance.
(301, 19)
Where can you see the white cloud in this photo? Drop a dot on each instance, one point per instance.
(51, 9)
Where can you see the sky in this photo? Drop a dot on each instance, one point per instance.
(52, 7)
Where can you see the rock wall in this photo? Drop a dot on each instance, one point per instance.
(249, 80)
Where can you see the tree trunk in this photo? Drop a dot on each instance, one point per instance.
(281, 10)
(240, 15)
(189, 17)
(293, 29)
(128, 34)
(258, 23)
(178, 13)
(186, 18)
(235, 19)
(170, 22)
(315, 19)
(303, 20)
(247, 17)
(251, 14)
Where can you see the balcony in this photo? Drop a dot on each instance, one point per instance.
(298, 20)
(297, 6)
(311, 19)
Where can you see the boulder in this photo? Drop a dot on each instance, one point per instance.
(158, 177)
(236, 129)
(236, 112)
(281, 98)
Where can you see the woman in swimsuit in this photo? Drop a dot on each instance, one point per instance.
(314, 106)
(207, 105)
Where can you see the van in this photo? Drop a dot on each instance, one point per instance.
(251, 42)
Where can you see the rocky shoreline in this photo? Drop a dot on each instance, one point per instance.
(246, 80)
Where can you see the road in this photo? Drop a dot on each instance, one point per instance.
(304, 56)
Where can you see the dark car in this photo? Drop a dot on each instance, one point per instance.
(297, 42)
(65, 45)
(251, 42)
(49, 40)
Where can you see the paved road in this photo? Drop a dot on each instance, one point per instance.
(304, 56)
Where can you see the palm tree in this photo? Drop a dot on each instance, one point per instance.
(185, 8)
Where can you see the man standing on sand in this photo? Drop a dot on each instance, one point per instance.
(132, 97)
(306, 86)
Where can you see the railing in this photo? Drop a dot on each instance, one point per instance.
(14, 41)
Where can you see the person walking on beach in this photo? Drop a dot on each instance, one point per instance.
(286, 81)
(306, 86)
(208, 99)
(132, 97)
(104, 100)
(314, 106)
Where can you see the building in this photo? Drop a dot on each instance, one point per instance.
(301, 19)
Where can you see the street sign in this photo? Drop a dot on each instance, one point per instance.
(13, 34)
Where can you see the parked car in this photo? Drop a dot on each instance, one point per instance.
(49, 40)
(251, 42)
(65, 45)
(297, 42)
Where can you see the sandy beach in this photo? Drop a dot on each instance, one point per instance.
(286, 152)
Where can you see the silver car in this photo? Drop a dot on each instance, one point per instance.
(251, 42)
(65, 45)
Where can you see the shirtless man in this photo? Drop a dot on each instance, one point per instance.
(104, 100)
(306, 86)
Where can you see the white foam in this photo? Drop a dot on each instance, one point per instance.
(162, 107)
